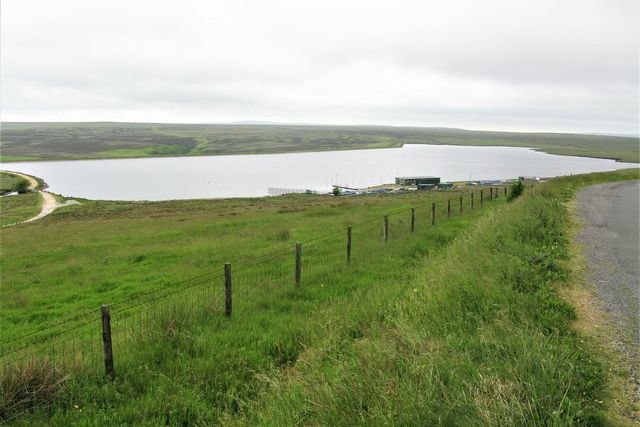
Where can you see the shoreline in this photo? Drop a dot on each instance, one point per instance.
(539, 149)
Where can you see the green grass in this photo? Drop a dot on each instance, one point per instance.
(19, 207)
(457, 324)
(272, 322)
(55, 141)
(105, 252)
(480, 338)
(4, 159)
(9, 182)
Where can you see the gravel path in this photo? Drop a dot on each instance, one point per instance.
(611, 240)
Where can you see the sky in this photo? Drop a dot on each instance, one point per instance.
(540, 65)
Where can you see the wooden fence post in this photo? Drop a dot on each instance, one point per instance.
(385, 228)
(472, 200)
(460, 204)
(228, 301)
(481, 197)
(505, 191)
(433, 214)
(348, 244)
(448, 208)
(490, 193)
(413, 219)
(106, 341)
(298, 264)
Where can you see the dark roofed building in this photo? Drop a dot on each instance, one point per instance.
(417, 180)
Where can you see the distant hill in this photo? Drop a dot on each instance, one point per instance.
(92, 140)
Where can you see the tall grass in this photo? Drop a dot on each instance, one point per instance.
(479, 337)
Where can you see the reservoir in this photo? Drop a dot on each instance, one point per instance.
(170, 178)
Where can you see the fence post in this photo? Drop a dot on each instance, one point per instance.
(385, 229)
(298, 264)
(433, 214)
(348, 244)
(448, 208)
(481, 197)
(106, 341)
(490, 193)
(227, 290)
(472, 200)
(460, 204)
(505, 191)
(413, 219)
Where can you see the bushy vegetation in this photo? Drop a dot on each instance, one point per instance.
(516, 190)
(22, 186)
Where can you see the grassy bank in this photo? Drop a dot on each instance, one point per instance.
(182, 361)
(19, 207)
(480, 337)
(56, 141)
(107, 252)
(460, 323)
(12, 183)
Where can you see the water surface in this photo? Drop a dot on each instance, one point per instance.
(252, 175)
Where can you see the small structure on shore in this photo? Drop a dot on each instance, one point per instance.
(417, 180)
(272, 191)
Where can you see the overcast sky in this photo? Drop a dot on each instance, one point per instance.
(556, 65)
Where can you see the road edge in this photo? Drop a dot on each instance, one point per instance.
(593, 323)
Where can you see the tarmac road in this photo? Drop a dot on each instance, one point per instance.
(611, 240)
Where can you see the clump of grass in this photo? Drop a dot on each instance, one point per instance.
(26, 386)
(284, 234)
(139, 259)
(174, 321)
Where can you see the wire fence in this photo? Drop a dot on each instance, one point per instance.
(97, 343)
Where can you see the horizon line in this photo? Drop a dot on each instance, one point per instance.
(274, 123)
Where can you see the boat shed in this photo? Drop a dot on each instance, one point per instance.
(417, 180)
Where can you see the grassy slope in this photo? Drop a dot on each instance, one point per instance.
(101, 252)
(47, 141)
(460, 324)
(19, 207)
(482, 338)
(9, 182)
(205, 369)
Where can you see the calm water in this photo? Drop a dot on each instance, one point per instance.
(252, 175)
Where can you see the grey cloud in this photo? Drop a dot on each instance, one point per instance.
(544, 65)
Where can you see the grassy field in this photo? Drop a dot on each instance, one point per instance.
(10, 182)
(17, 207)
(113, 252)
(101, 251)
(459, 323)
(54, 141)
